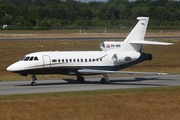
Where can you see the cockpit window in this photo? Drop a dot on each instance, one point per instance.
(22, 59)
(35, 58)
(26, 59)
(29, 58)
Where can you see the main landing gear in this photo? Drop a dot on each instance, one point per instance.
(80, 79)
(104, 80)
(33, 83)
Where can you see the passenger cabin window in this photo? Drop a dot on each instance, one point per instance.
(77, 60)
(54, 60)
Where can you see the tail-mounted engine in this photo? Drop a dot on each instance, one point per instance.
(130, 57)
(126, 56)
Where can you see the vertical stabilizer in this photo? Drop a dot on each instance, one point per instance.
(138, 33)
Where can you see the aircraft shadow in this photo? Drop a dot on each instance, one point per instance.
(135, 81)
(42, 84)
(68, 81)
(139, 81)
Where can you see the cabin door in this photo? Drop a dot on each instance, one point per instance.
(46, 61)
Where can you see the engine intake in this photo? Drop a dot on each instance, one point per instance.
(126, 57)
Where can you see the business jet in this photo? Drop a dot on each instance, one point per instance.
(113, 57)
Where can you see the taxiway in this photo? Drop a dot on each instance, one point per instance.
(46, 86)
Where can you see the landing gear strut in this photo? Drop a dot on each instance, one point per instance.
(105, 79)
(80, 79)
(33, 83)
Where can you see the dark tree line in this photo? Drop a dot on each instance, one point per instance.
(55, 14)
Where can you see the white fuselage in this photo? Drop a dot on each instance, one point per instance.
(69, 62)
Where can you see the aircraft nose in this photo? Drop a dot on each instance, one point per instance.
(11, 68)
(14, 67)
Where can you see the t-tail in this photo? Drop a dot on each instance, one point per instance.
(134, 40)
(136, 37)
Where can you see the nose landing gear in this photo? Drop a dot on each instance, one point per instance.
(33, 83)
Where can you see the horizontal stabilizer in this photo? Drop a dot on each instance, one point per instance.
(118, 72)
(149, 42)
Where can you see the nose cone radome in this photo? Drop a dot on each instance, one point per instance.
(8, 68)
(14, 67)
(11, 68)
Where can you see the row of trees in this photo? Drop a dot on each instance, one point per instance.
(55, 14)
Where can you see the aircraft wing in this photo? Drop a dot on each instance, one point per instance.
(117, 72)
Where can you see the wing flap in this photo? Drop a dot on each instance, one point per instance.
(118, 72)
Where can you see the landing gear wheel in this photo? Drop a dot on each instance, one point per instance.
(104, 81)
(33, 83)
(80, 79)
(33, 76)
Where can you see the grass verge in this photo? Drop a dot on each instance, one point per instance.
(146, 103)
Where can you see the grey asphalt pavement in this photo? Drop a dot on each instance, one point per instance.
(46, 86)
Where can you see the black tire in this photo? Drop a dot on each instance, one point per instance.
(104, 81)
(33, 83)
(80, 79)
